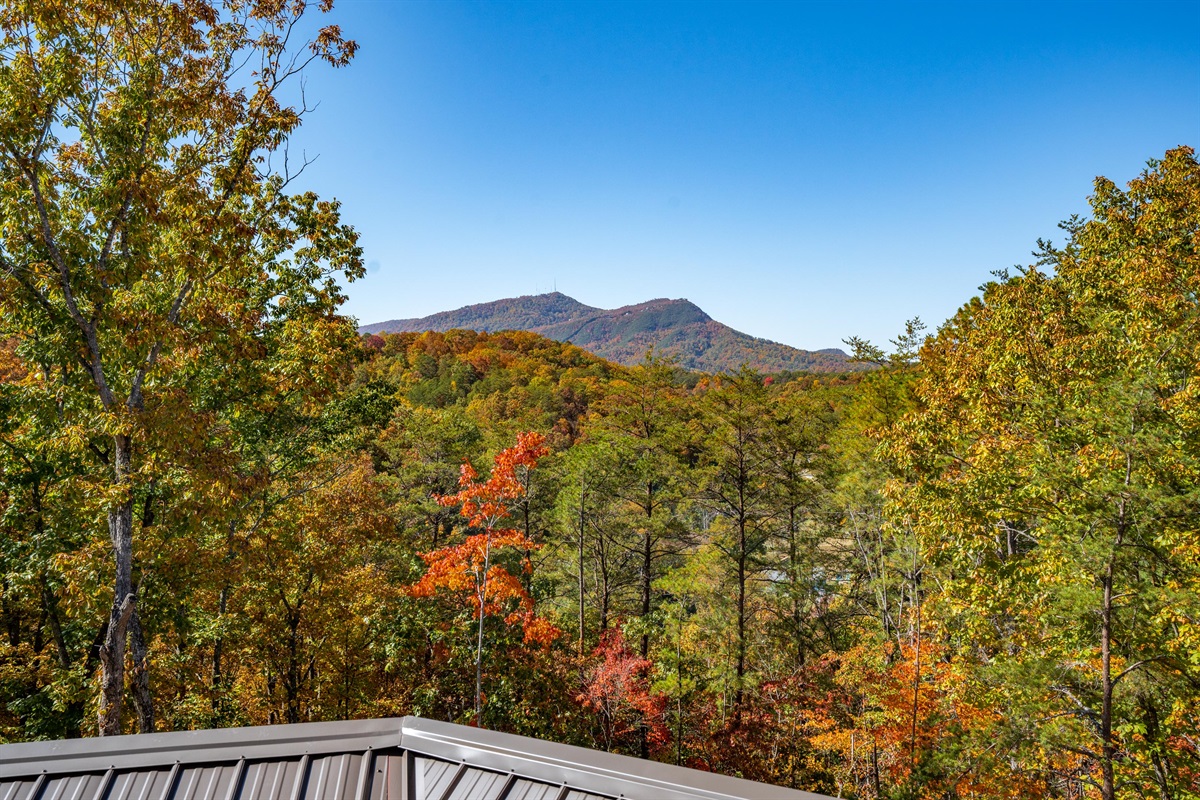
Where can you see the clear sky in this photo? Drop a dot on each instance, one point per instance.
(801, 171)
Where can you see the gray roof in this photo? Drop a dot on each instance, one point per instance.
(383, 759)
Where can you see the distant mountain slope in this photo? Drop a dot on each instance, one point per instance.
(525, 313)
(671, 327)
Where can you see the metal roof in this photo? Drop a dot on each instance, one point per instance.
(384, 759)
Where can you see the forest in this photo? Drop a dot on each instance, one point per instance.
(971, 571)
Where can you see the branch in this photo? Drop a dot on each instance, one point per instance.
(14, 272)
(88, 329)
(1134, 666)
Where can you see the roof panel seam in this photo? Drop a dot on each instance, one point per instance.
(458, 776)
(301, 778)
(234, 785)
(106, 784)
(38, 787)
(168, 788)
(364, 776)
(54, 789)
(342, 769)
(508, 785)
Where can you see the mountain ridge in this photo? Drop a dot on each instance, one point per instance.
(671, 327)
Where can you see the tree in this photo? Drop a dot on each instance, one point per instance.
(954, 750)
(149, 236)
(799, 470)
(586, 516)
(617, 689)
(420, 452)
(1052, 474)
(738, 487)
(308, 596)
(44, 516)
(469, 566)
(639, 422)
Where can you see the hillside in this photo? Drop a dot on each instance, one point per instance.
(525, 313)
(675, 328)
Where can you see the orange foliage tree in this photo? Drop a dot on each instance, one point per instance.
(467, 568)
(912, 723)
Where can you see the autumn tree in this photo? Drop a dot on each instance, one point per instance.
(617, 689)
(310, 599)
(955, 749)
(46, 651)
(420, 452)
(470, 566)
(880, 558)
(640, 422)
(148, 225)
(1051, 475)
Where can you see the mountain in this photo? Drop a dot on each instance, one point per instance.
(676, 328)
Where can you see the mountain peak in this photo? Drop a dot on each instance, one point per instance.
(671, 327)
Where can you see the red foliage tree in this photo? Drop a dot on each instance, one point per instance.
(617, 689)
(468, 567)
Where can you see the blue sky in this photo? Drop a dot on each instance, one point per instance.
(803, 172)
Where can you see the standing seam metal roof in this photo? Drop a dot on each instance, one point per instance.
(388, 759)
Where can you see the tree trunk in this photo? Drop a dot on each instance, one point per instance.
(218, 678)
(1158, 759)
(647, 557)
(143, 701)
(604, 600)
(60, 642)
(1108, 785)
(1108, 751)
(604, 580)
(112, 652)
(582, 507)
(12, 617)
(487, 560)
(679, 696)
(794, 571)
(875, 767)
(916, 701)
(738, 689)
(647, 577)
(291, 682)
(527, 574)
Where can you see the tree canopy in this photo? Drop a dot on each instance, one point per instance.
(152, 258)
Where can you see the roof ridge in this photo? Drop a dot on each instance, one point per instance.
(397, 740)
